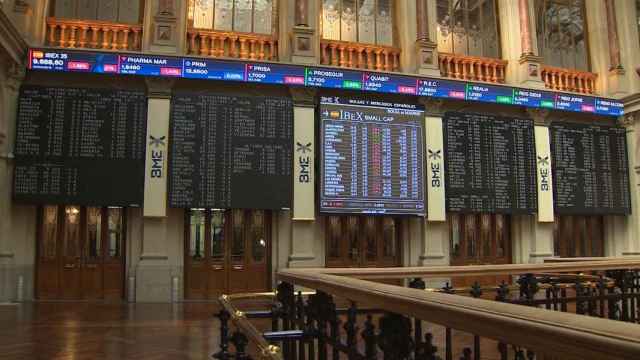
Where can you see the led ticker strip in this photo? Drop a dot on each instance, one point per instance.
(268, 73)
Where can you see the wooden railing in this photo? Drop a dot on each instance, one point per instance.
(316, 325)
(472, 67)
(93, 34)
(232, 44)
(569, 80)
(359, 55)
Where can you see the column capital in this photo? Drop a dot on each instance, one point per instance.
(158, 87)
(303, 96)
(433, 106)
(540, 116)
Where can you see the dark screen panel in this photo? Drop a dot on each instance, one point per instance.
(230, 151)
(489, 163)
(590, 169)
(372, 157)
(80, 146)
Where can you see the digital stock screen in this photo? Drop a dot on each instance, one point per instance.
(59, 60)
(371, 157)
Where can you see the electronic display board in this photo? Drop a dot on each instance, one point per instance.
(80, 146)
(230, 151)
(590, 169)
(371, 157)
(325, 77)
(490, 164)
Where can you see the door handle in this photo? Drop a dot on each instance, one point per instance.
(217, 267)
(69, 266)
(238, 267)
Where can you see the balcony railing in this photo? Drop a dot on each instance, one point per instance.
(472, 67)
(215, 43)
(349, 316)
(569, 80)
(93, 34)
(359, 56)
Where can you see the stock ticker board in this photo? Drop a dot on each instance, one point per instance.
(321, 77)
(490, 164)
(230, 151)
(372, 157)
(80, 146)
(590, 169)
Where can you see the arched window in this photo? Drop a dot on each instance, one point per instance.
(363, 21)
(562, 34)
(248, 16)
(117, 11)
(468, 27)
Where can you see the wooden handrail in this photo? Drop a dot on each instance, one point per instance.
(359, 55)
(475, 68)
(478, 270)
(563, 335)
(72, 33)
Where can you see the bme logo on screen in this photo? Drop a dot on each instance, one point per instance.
(304, 162)
(157, 155)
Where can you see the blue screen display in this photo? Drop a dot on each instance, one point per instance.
(274, 74)
(150, 65)
(213, 70)
(387, 83)
(229, 70)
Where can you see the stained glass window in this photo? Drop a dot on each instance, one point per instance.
(468, 27)
(249, 16)
(119, 11)
(562, 34)
(364, 21)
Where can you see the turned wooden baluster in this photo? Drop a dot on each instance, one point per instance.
(342, 61)
(115, 32)
(203, 44)
(351, 50)
(252, 49)
(261, 54)
(243, 48)
(192, 42)
(72, 37)
(333, 55)
(387, 61)
(494, 78)
(369, 59)
(52, 34)
(361, 60)
(125, 39)
(213, 47)
(379, 64)
(94, 36)
(105, 37)
(83, 36)
(61, 41)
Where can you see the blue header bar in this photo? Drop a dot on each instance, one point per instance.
(61, 60)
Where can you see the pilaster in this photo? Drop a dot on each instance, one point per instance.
(303, 35)
(165, 25)
(154, 270)
(426, 50)
(303, 216)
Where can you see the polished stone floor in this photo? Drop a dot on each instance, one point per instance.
(63, 330)
(81, 330)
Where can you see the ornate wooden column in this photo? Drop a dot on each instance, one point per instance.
(427, 55)
(525, 29)
(304, 37)
(612, 32)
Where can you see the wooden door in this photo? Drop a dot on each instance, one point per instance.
(92, 254)
(233, 256)
(479, 239)
(72, 236)
(113, 252)
(362, 241)
(48, 261)
(80, 253)
(578, 236)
